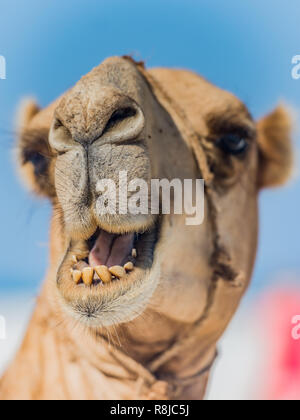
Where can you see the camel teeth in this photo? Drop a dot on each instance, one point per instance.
(87, 276)
(117, 271)
(104, 273)
(129, 266)
(134, 253)
(74, 259)
(76, 274)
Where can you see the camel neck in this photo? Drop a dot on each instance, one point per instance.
(175, 371)
(60, 360)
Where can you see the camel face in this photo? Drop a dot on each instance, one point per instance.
(158, 125)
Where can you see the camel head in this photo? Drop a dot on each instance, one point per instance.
(157, 124)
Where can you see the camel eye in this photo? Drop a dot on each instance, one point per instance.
(233, 144)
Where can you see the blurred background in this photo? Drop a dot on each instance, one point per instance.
(245, 47)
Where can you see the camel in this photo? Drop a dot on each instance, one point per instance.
(133, 306)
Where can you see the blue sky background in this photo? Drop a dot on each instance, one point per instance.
(243, 46)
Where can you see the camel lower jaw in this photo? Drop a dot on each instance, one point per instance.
(93, 290)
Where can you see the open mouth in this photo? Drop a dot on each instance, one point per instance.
(107, 257)
(109, 278)
(110, 258)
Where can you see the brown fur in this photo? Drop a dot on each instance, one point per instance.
(163, 323)
(275, 153)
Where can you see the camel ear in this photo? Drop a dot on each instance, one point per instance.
(275, 148)
(28, 108)
(33, 151)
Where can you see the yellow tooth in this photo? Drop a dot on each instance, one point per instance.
(134, 253)
(117, 271)
(74, 259)
(87, 276)
(103, 273)
(129, 266)
(76, 274)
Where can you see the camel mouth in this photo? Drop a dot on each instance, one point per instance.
(105, 276)
(111, 257)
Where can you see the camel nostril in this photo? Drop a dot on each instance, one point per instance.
(117, 119)
(60, 138)
(125, 123)
(119, 116)
(57, 124)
